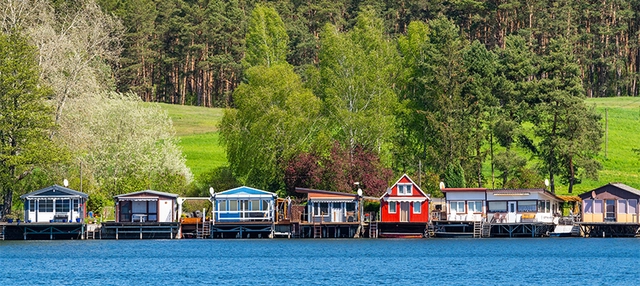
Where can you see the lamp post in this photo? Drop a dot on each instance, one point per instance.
(212, 198)
(360, 209)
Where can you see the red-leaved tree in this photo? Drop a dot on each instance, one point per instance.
(339, 171)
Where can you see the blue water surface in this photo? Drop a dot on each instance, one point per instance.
(549, 261)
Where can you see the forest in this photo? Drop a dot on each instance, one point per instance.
(318, 94)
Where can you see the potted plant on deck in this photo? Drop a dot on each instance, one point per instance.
(10, 217)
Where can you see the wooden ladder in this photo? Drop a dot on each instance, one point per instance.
(373, 229)
(295, 230)
(431, 230)
(203, 232)
(486, 229)
(317, 231)
(477, 229)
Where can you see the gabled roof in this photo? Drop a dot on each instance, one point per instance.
(152, 192)
(587, 195)
(51, 192)
(412, 182)
(245, 191)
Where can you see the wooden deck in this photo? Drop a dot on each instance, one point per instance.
(609, 229)
(485, 229)
(331, 229)
(140, 230)
(403, 229)
(42, 231)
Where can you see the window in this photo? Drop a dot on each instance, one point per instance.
(475, 206)
(547, 207)
(588, 206)
(76, 203)
(323, 209)
(497, 207)
(222, 205)
(597, 206)
(417, 207)
(62, 206)
(457, 207)
(351, 207)
(405, 189)
(233, 205)
(392, 207)
(622, 206)
(32, 205)
(254, 205)
(527, 206)
(633, 207)
(265, 205)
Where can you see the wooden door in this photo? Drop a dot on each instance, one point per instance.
(404, 211)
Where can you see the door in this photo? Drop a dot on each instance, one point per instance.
(610, 211)
(336, 212)
(404, 211)
(511, 212)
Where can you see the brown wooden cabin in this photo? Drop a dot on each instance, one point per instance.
(614, 202)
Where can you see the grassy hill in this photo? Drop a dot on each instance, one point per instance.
(197, 128)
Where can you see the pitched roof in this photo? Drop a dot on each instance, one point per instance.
(48, 191)
(412, 182)
(587, 194)
(148, 192)
(245, 191)
(627, 188)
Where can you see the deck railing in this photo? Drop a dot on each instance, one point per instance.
(244, 215)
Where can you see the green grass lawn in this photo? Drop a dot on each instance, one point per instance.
(620, 164)
(203, 152)
(197, 128)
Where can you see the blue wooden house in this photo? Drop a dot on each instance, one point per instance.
(244, 204)
(54, 204)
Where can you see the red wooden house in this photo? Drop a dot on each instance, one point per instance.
(404, 202)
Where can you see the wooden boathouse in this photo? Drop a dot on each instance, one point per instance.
(610, 211)
(481, 212)
(54, 212)
(335, 215)
(404, 210)
(244, 212)
(144, 214)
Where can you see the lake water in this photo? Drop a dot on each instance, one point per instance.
(555, 261)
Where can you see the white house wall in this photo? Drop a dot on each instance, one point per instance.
(531, 196)
(465, 196)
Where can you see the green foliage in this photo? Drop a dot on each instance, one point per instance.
(26, 120)
(357, 71)
(221, 179)
(569, 132)
(454, 176)
(276, 118)
(267, 38)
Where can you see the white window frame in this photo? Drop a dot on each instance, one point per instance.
(458, 204)
(405, 189)
(417, 207)
(469, 203)
(394, 209)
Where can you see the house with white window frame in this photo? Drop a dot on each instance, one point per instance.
(244, 204)
(501, 205)
(611, 203)
(54, 204)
